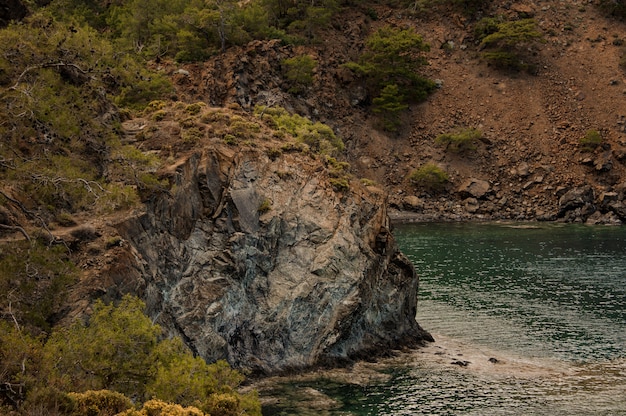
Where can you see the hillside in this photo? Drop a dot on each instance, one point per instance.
(531, 123)
(238, 168)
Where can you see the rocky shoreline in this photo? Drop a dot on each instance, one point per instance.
(476, 200)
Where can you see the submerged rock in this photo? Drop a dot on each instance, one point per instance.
(261, 262)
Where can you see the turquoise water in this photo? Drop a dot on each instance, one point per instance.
(547, 301)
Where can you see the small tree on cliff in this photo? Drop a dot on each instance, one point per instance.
(393, 56)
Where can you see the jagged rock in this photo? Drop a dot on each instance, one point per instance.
(575, 198)
(476, 188)
(597, 218)
(603, 162)
(413, 203)
(607, 198)
(315, 278)
(618, 208)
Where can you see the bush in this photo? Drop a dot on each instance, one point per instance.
(507, 41)
(34, 278)
(460, 141)
(430, 177)
(318, 136)
(389, 104)
(100, 402)
(393, 57)
(616, 8)
(157, 407)
(299, 72)
(264, 206)
(591, 140)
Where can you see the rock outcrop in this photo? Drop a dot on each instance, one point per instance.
(261, 262)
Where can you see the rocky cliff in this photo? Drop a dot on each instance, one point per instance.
(263, 263)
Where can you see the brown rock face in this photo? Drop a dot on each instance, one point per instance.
(261, 262)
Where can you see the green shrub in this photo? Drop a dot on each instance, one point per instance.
(508, 41)
(616, 8)
(340, 184)
(389, 104)
(44, 400)
(591, 140)
(394, 56)
(430, 177)
(460, 141)
(34, 279)
(100, 402)
(264, 206)
(318, 136)
(299, 72)
(21, 359)
(157, 407)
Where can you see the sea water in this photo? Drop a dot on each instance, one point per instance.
(528, 319)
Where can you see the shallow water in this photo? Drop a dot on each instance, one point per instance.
(528, 319)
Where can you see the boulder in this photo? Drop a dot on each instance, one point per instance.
(474, 188)
(314, 277)
(576, 198)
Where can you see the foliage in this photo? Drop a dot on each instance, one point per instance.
(616, 8)
(100, 402)
(393, 57)
(157, 407)
(33, 279)
(20, 357)
(114, 357)
(591, 140)
(299, 71)
(467, 7)
(61, 127)
(112, 352)
(389, 104)
(460, 141)
(264, 206)
(507, 41)
(390, 63)
(340, 184)
(318, 136)
(429, 176)
(190, 381)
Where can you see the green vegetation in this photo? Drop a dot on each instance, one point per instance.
(194, 30)
(390, 63)
(460, 141)
(115, 359)
(467, 7)
(319, 137)
(507, 42)
(264, 206)
(60, 144)
(430, 177)
(389, 104)
(299, 71)
(590, 140)
(34, 278)
(616, 8)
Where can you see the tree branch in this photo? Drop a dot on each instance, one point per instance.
(16, 228)
(47, 65)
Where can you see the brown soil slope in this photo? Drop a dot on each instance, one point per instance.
(531, 123)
